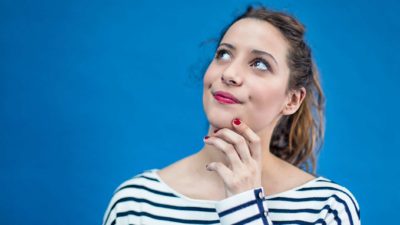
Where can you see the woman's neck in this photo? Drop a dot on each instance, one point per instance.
(209, 153)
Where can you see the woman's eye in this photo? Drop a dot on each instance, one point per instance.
(223, 54)
(261, 64)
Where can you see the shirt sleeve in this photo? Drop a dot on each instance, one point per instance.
(343, 209)
(110, 215)
(248, 207)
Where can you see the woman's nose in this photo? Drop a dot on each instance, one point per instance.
(230, 76)
(229, 81)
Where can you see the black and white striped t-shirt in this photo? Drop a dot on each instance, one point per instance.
(147, 199)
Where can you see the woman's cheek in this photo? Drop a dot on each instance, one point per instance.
(266, 104)
(208, 76)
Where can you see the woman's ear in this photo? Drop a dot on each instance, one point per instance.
(295, 98)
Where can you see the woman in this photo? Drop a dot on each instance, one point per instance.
(263, 100)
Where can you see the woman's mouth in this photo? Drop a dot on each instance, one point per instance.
(225, 100)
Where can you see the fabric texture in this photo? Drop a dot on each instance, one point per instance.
(147, 199)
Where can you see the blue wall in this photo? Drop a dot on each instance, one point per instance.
(93, 92)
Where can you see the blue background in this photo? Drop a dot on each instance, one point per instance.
(94, 92)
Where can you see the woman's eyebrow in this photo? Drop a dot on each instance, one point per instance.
(254, 51)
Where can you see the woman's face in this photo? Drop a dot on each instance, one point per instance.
(250, 63)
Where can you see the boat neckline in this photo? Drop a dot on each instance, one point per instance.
(155, 174)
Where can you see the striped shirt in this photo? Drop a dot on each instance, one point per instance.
(147, 199)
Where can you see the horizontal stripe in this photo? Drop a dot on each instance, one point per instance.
(234, 209)
(247, 220)
(300, 222)
(336, 189)
(146, 198)
(165, 218)
(314, 211)
(148, 189)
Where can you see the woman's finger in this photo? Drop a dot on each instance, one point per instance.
(252, 138)
(224, 172)
(226, 148)
(238, 142)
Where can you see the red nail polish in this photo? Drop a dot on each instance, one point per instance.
(206, 137)
(236, 121)
(215, 131)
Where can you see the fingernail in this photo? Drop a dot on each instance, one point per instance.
(236, 121)
(206, 137)
(215, 131)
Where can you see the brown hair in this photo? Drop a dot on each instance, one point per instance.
(297, 138)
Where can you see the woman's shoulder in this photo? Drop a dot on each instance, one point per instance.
(141, 179)
(130, 193)
(141, 186)
(320, 187)
(331, 188)
(334, 195)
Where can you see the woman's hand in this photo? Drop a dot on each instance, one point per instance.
(242, 148)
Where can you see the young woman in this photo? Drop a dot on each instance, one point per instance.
(264, 103)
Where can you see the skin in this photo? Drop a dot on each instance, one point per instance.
(238, 157)
(260, 86)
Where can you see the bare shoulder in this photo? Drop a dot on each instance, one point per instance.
(181, 175)
(289, 177)
(297, 175)
(172, 171)
(180, 169)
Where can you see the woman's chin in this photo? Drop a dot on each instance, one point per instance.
(220, 120)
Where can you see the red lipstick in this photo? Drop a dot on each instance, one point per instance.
(225, 97)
